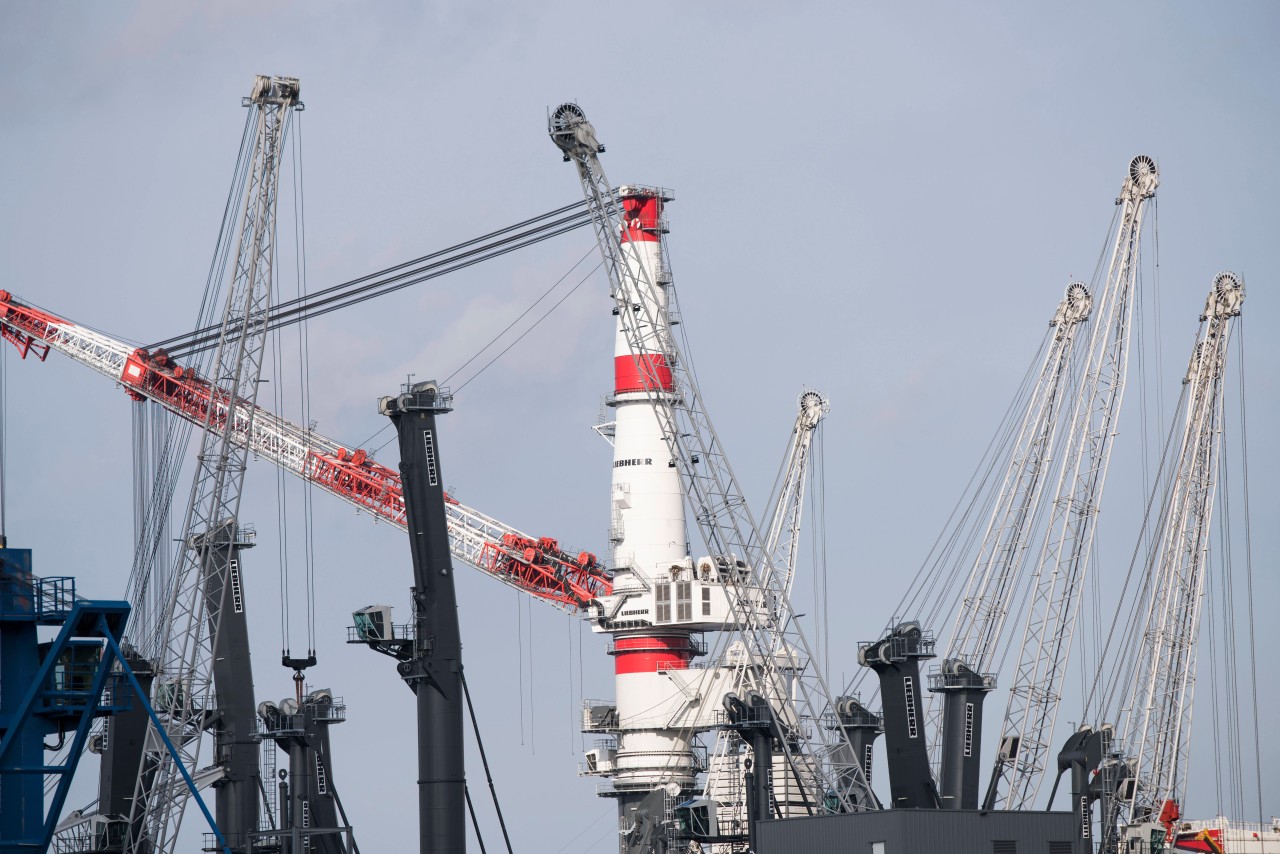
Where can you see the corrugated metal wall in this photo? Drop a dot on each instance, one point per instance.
(921, 832)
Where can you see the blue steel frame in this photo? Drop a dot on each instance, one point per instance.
(47, 697)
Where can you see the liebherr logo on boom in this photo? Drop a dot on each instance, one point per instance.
(637, 461)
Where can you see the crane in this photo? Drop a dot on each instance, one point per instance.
(782, 541)
(1155, 722)
(536, 565)
(783, 537)
(1064, 553)
(201, 656)
(772, 637)
(995, 578)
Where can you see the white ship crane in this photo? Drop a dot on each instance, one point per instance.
(997, 581)
(1034, 691)
(782, 542)
(1154, 725)
(198, 591)
(987, 599)
(762, 614)
(783, 539)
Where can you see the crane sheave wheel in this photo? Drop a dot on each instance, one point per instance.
(1141, 166)
(565, 116)
(1077, 292)
(1225, 282)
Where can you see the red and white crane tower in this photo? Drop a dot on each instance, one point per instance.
(663, 424)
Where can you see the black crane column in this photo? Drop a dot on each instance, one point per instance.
(234, 724)
(896, 660)
(434, 672)
(964, 689)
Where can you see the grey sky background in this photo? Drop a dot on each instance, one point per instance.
(880, 201)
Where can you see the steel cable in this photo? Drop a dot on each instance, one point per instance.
(448, 260)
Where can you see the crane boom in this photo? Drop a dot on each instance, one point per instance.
(535, 565)
(1158, 727)
(774, 642)
(1064, 553)
(996, 581)
(980, 621)
(203, 672)
(783, 539)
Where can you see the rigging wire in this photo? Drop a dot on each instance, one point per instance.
(964, 513)
(484, 759)
(304, 375)
(149, 572)
(544, 316)
(1248, 564)
(1231, 679)
(459, 256)
(522, 315)
(520, 658)
(518, 338)
(818, 530)
(1106, 685)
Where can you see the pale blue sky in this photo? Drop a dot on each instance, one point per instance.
(881, 201)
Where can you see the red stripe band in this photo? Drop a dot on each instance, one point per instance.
(648, 371)
(640, 218)
(649, 655)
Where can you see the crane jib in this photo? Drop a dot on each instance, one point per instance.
(536, 565)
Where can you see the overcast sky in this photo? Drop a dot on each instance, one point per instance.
(880, 201)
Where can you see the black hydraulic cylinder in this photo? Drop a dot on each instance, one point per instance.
(434, 671)
(896, 660)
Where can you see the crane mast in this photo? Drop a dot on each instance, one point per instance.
(1156, 728)
(1064, 554)
(778, 651)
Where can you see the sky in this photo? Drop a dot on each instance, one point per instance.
(878, 201)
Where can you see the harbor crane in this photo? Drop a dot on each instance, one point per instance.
(996, 576)
(535, 565)
(1064, 553)
(203, 657)
(575, 582)
(642, 289)
(1154, 723)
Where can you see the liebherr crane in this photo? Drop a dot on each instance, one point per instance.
(1064, 554)
(996, 576)
(200, 655)
(783, 537)
(1155, 723)
(777, 647)
(782, 542)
